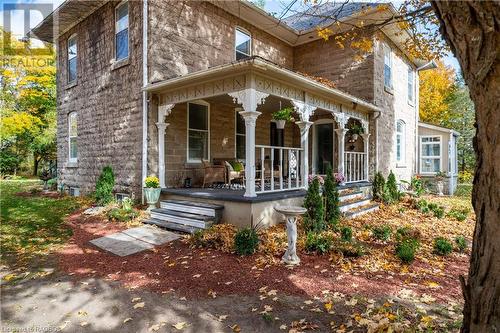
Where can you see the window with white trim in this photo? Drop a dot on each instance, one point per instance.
(198, 131)
(72, 53)
(121, 31)
(411, 85)
(400, 142)
(243, 44)
(240, 136)
(430, 154)
(387, 67)
(73, 137)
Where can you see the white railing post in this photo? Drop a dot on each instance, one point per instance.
(366, 138)
(304, 144)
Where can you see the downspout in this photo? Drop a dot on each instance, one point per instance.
(144, 95)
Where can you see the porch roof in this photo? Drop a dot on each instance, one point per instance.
(261, 66)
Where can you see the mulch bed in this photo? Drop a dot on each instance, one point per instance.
(196, 273)
(49, 194)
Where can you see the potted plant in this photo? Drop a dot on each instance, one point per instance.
(282, 116)
(439, 181)
(152, 191)
(354, 131)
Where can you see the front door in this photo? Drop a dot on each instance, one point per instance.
(323, 147)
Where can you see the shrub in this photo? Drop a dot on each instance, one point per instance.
(353, 250)
(122, 215)
(405, 250)
(313, 202)
(382, 233)
(391, 192)
(407, 233)
(127, 203)
(318, 242)
(417, 186)
(104, 186)
(52, 184)
(331, 194)
(152, 182)
(246, 241)
(423, 206)
(438, 212)
(218, 236)
(461, 243)
(442, 246)
(346, 234)
(458, 214)
(378, 186)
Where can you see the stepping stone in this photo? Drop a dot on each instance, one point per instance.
(152, 235)
(121, 244)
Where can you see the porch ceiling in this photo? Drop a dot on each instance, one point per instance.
(261, 75)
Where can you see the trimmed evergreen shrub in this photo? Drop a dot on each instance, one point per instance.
(422, 206)
(378, 187)
(391, 192)
(122, 215)
(318, 242)
(438, 212)
(405, 250)
(382, 233)
(104, 186)
(461, 243)
(246, 241)
(442, 246)
(332, 201)
(346, 234)
(313, 202)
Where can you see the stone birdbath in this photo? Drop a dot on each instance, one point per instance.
(291, 213)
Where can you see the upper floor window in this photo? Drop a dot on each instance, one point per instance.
(198, 131)
(400, 142)
(411, 85)
(72, 52)
(387, 67)
(73, 136)
(121, 31)
(430, 154)
(243, 44)
(240, 136)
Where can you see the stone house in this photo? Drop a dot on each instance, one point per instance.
(185, 90)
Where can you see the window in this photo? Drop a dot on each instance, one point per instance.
(400, 142)
(240, 136)
(198, 133)
(387, 67)
(411, 85)
(243, 44)
(72, 52)
(121, 31)
(73, 136)
(430, 154)
(74, 191)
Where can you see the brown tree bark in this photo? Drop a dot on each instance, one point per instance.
(472, 31)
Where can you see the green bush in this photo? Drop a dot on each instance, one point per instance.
(354, 249)
(407, 233)
(246, 241)
(313, 202)
(382, 233)
(459, 214)
(461, 243)
(442, 246)
(122, 215)
(332, 201)
(391, 192)
(104, 186)
(52, 184)
(423, 206)
(318, 242)
(438, 212)
(127, 203)
(378, 187)
(346, 234)
(405, 250)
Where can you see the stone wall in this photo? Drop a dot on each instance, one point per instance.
(108, 101)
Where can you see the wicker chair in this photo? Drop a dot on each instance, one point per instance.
(213, 173)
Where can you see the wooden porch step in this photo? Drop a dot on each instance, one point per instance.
(193, 207)
(172, 226)
(354, 203)
(370, 207)
(188, 219)
(346, 196)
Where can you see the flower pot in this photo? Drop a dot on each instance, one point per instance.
(280, 124)
(354, 137)
(440, 187)
(152, 196)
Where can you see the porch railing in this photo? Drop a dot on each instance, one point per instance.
(355, 167)
(277, 168)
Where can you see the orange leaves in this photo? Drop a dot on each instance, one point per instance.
(324, 33)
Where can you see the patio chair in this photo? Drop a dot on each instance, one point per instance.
(213, 173)
(232, 174)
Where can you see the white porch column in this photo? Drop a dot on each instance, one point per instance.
(249, 100)
(366, 140)
(341, 120)
(163, 111)
(304, 144)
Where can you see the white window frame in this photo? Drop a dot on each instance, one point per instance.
(198, 102)
(70, 117)
(388, 50)
(411, 100)
(421, 157)
(246, 32)
(71, 38)
(116, 30)
(402, 161)
(236, 134)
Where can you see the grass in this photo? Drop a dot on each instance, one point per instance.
(32, 225)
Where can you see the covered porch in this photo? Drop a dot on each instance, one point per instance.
(208, 122)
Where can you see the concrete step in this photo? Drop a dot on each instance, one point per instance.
(171, 226)
(354, 203)
(370, 207)
(346, 196)
(193, 207)
(188, 219)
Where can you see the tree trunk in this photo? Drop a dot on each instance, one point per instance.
(35, 164)
(472, 31)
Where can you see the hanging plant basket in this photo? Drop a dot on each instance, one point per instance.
(280, 124)
(282, 116)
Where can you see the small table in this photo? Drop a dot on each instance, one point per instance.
(291, 213)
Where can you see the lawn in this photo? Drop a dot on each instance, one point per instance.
(31, 221)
